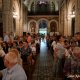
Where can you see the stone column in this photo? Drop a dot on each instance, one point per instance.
(77, 16)
(7, 16)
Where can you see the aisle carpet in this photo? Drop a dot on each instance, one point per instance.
(44, 64)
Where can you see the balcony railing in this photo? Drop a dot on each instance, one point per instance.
(44, 13)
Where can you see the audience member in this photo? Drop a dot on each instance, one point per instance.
(13, 70)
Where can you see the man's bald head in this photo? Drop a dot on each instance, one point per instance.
(11, 58)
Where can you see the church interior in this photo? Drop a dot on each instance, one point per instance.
(39, 39)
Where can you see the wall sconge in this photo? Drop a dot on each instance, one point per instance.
(15, 14)
(71, 15)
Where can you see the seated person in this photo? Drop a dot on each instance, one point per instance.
(13, 71)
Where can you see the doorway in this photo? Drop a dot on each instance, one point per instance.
(43, 27)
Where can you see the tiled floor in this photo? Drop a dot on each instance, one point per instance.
(44, 65)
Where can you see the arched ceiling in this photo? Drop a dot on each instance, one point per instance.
(29, 2)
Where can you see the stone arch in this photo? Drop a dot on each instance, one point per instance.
(53, 26)
(38, 22)
(43, 26)
(32, 26)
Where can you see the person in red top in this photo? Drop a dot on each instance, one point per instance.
(29, 39)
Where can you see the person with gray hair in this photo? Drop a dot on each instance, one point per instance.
(14, 70)
(18, 56)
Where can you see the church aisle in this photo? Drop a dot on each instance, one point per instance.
(44, 65)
